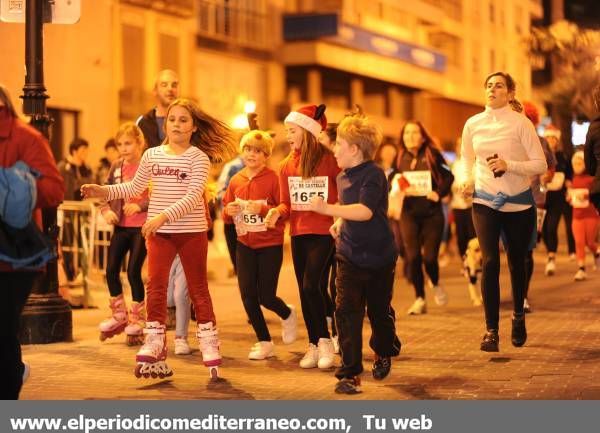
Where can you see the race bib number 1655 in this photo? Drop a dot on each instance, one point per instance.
(303, 190)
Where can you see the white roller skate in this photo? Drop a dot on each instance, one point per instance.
(135, 328)
(116, 324)
(208, 338)
(151, 358)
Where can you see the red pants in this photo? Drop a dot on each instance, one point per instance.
(192, 249)
(585, 231)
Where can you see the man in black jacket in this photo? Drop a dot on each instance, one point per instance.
(592, 150)
(166, 90)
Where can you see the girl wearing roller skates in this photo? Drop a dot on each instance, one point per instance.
(249, 196)
(309, 170)
(127, 216)
(176, 224)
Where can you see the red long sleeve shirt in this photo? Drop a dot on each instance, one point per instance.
(21, 142)
(263, 186)
(304, 222)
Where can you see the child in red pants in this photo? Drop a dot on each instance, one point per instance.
(585, 215)
(177, 224)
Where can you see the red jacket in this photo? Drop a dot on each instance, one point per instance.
(307, 222)
(263, 186)
(19, 141)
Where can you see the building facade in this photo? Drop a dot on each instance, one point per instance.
(423, 59)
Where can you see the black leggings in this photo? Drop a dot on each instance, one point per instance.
(463, 222)
(123, 240)
(329, 289)
(258, 273)
(16, 287)
(517, 228)
(231, 240)
(424, 233)
(310, 254)
(556, 209)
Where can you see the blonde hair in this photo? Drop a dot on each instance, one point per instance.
(363, 133)
(132, 130)
(578, 155)
(259, 139)
(212, 136)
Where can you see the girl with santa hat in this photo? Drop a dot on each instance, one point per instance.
(309, 170)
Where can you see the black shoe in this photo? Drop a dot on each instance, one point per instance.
(490, 341)
(348, 385)
(519, 332)
(381, 367)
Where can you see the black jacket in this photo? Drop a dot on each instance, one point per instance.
(421, 205)
(592, 159)
(149, 127)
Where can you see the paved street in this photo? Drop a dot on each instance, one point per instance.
(440, 356)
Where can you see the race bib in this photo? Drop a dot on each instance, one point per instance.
(247, 222)
(420, 181)
(253, 222)
(576, 201)
(302, 190)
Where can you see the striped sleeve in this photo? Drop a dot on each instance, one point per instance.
(137, 185)
(194, 195)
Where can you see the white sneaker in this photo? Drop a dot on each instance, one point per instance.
(418, 307)
(440, 296)
(311, 358)
(580, 275)
(289, 327)
(550, 268)
(26, 372)
(262, 350)
(572, 257)
(336, 344)
(326, 354)
(182, 347)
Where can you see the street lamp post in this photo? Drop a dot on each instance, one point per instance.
(46, 317)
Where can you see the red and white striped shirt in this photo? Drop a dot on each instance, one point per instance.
(177, 188)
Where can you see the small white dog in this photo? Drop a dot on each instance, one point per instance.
(472, 266)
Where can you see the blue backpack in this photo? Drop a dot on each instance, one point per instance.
(18, 194)
(22, 243)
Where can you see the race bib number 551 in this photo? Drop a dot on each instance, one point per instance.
(303, 190)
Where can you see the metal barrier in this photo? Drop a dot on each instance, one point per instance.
(80, 243)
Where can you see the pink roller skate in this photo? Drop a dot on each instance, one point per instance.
(116, 324)
(135, 328)
(151, 358)
(208, 338)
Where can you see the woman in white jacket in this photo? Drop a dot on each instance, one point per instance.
(500, 151)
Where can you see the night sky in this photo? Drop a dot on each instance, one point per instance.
(586, 13)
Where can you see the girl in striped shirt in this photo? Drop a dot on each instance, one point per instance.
(177, 224)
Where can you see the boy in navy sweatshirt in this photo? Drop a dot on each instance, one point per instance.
(366, 253)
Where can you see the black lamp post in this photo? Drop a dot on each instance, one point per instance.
(46, 317)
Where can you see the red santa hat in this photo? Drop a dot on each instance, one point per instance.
(311, 118)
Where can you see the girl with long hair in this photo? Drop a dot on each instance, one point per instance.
(309, 170)
(176, 224)
(425, 178)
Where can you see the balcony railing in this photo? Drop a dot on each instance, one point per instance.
(182, 8)
(239, 22)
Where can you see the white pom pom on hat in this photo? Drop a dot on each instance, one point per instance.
(305, 118)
